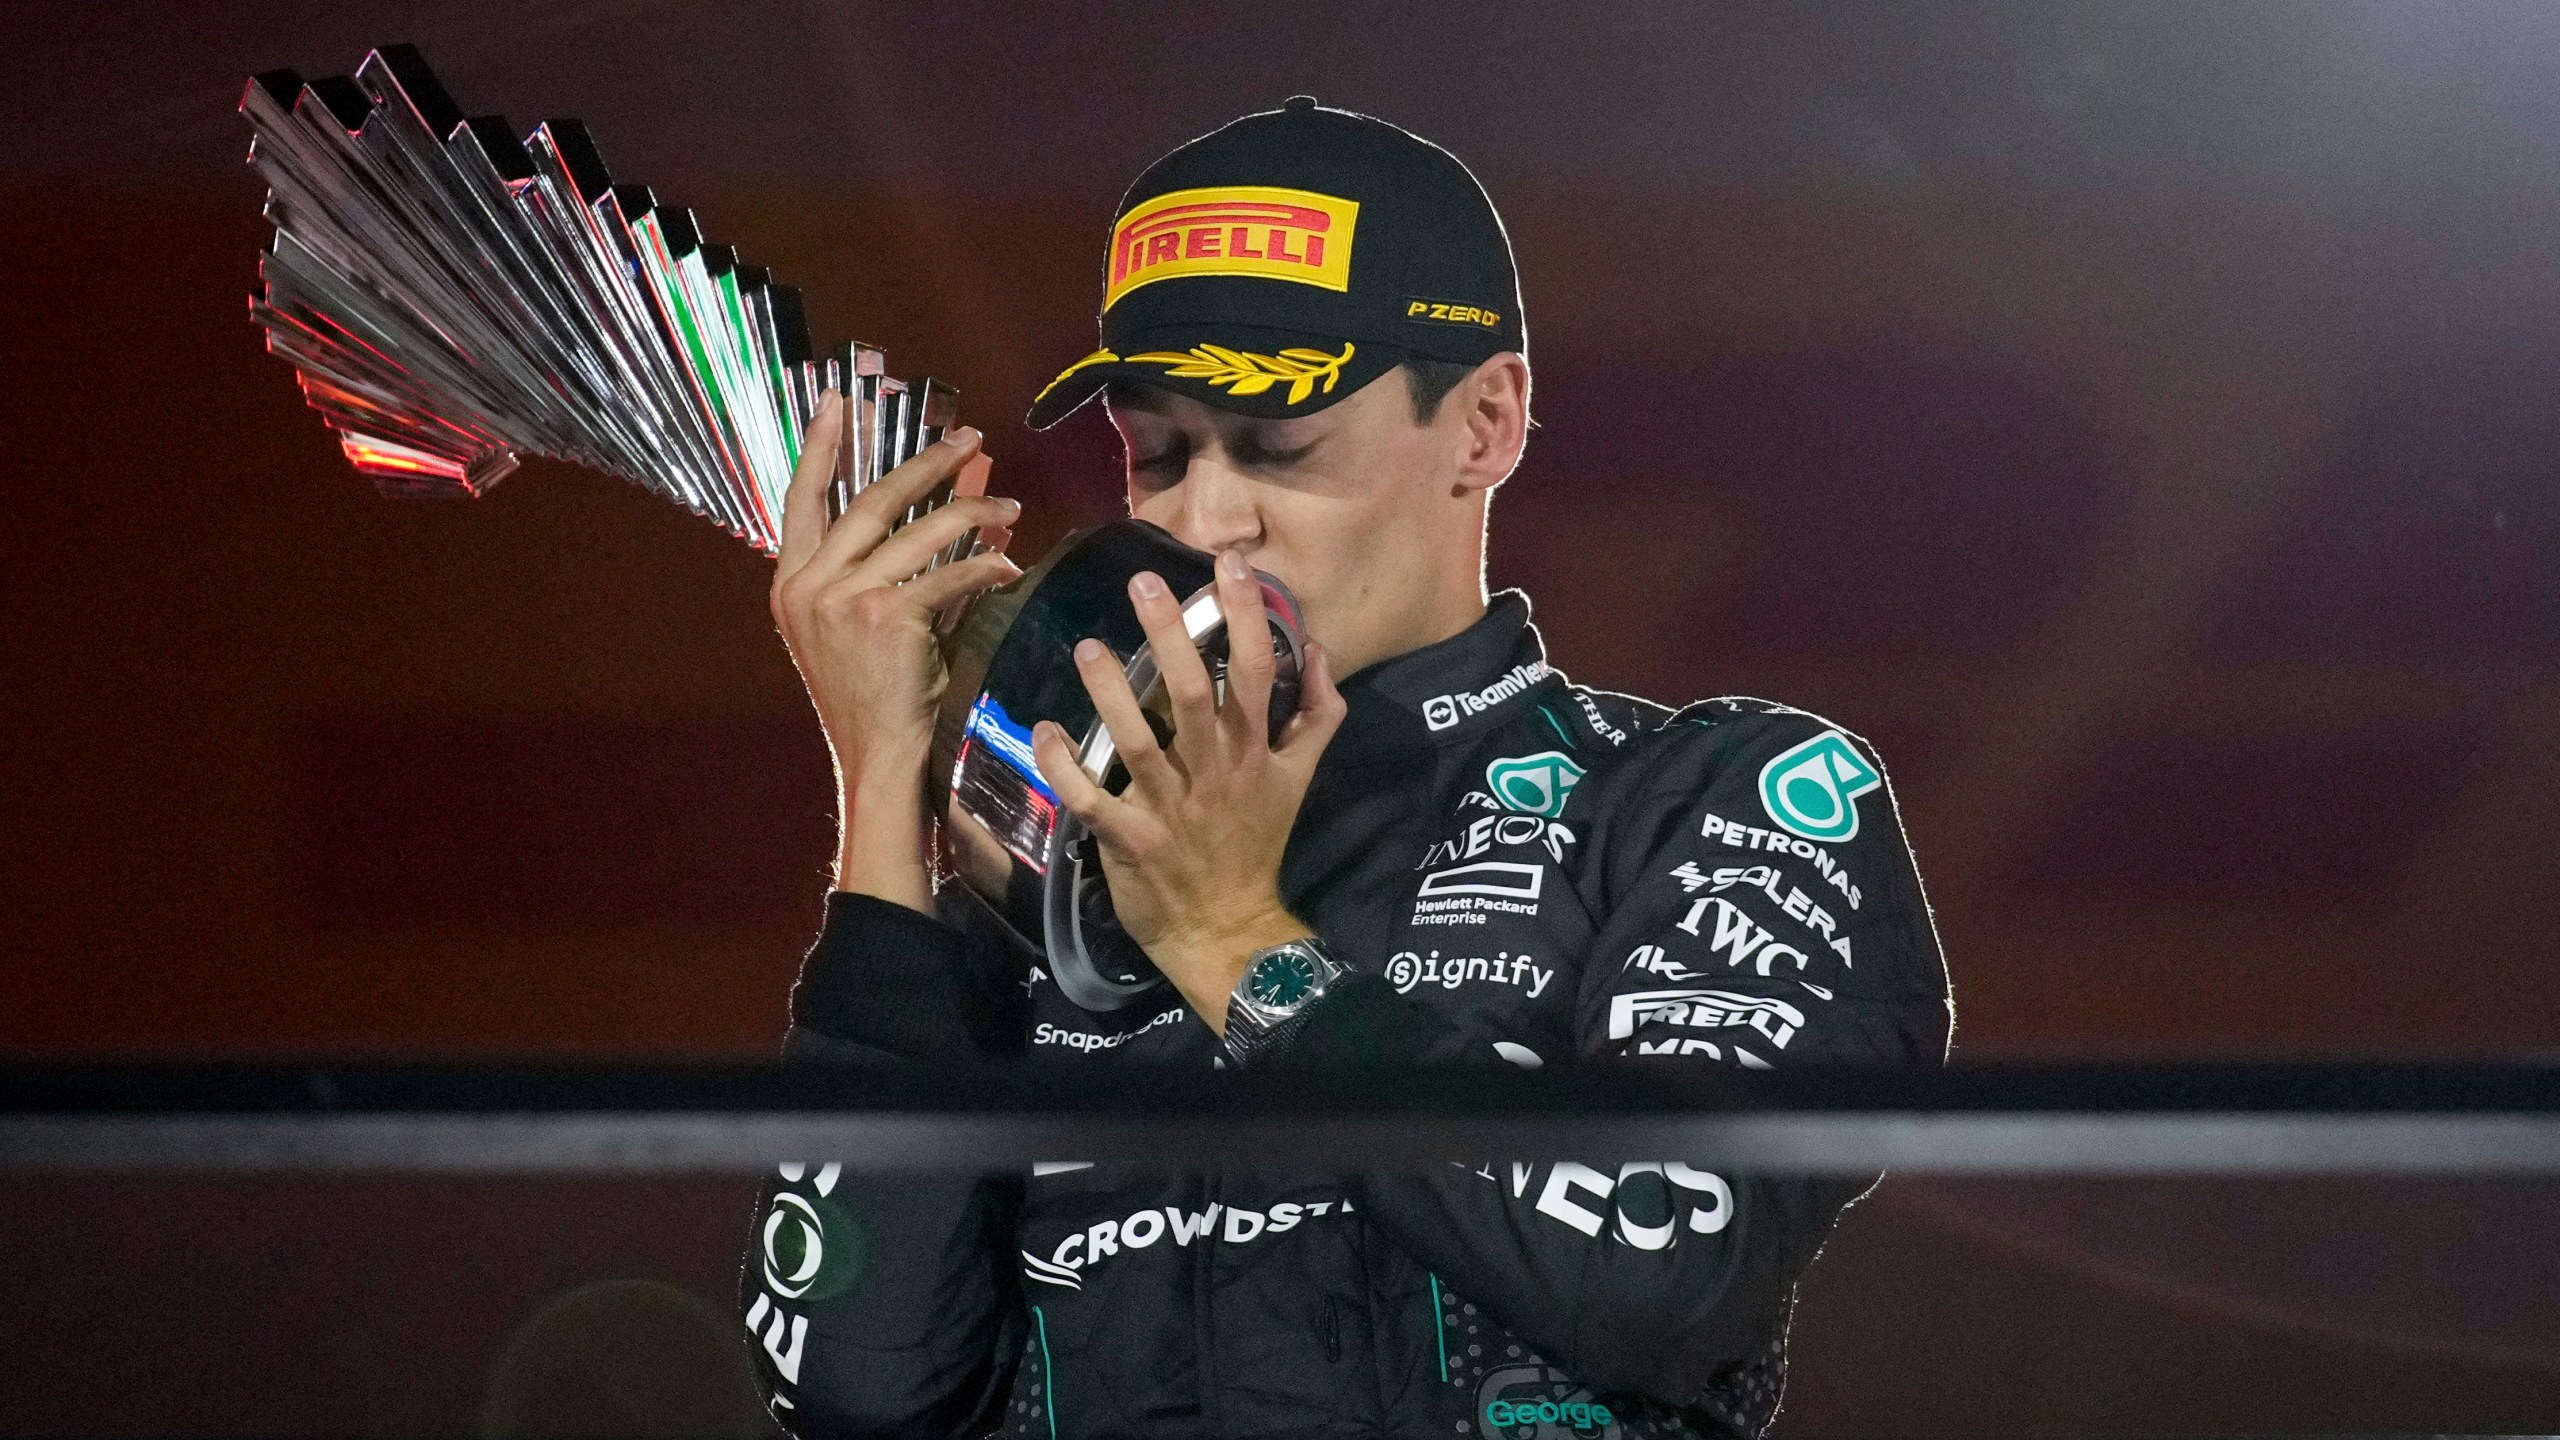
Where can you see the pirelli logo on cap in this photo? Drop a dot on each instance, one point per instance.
(1257, 230)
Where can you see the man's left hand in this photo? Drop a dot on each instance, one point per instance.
(1192, 846)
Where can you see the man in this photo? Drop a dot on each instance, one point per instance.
(1313, 350)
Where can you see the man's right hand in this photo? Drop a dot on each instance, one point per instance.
(857, 608)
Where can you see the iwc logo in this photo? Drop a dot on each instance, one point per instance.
(1534, 784)
(1813, 788)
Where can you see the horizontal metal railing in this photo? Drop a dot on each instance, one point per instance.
(2085, 1120)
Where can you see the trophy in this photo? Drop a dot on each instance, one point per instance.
(453, 297)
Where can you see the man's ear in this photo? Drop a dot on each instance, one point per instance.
(1493, 405)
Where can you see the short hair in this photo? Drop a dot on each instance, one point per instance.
(1428, 382)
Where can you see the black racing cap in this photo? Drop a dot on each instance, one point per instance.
(1279, 264)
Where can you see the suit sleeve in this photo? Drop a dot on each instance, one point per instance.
(881, 1305)
(1726, 935)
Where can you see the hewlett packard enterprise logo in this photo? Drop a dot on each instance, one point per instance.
(1442, 711)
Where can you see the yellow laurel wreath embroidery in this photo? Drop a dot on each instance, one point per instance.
(1241, 372)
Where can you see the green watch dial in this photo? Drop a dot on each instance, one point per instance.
(1281, 980)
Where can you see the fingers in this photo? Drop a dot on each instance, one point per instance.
(1247, 711)
(1320, 711)
(877, 510)
(914, 546)
(1117, 704)
(1102, 812)
(804, 504)
(1186, 679)
(972, 480)
(948, 584)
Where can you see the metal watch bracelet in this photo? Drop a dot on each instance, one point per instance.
(1280, 986)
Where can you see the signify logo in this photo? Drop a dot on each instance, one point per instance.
(1408, 970)
(1442, 711)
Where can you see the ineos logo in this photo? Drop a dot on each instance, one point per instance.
(810, 1244)
(1659, 1200)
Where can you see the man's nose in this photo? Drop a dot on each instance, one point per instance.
(1217, 510)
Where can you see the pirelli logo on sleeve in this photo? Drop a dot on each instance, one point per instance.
(1255, 230)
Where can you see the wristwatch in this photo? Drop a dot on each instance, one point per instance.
(1280, 985)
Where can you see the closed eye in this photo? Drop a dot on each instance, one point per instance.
(1163, 468)
(1251, 453)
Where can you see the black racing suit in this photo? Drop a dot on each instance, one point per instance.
(1519, 870)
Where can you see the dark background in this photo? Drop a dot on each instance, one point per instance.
(2139, 420)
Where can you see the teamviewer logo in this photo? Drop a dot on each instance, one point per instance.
(1440, 712)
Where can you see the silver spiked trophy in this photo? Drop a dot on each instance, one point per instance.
(454, 296)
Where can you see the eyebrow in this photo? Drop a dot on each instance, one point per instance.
(1124, 395)
(1250, 431)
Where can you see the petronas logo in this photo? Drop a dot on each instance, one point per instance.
(1533, 784)
(1813, 789)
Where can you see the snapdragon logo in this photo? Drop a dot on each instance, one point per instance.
(1090, 1041)
(1442, 711)
(1538, 1402)
(1813, 788)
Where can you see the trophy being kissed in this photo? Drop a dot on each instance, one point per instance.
(454, 296)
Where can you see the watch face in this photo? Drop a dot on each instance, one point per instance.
(1281, 980)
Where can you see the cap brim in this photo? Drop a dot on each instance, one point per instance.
(1250, 370)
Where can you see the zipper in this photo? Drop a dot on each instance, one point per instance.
(1439, 1326)
(1204, 1330)
(1048, 1373)
(1557, 726)
(1332, 1332)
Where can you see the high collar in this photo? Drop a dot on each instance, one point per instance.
(1447, 692)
